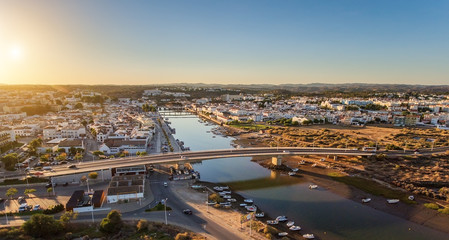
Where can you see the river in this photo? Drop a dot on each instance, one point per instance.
(327, 215)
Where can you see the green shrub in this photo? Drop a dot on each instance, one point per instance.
(183, 236)
(112, 223)
(444, 210)
(433, 206)
(142, 225)
(41, 225)
(54, 209)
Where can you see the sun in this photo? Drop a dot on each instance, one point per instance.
(16, 52)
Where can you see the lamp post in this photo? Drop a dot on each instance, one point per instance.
(207, 200)
(165, 210)
(92, 211)
(87, 181)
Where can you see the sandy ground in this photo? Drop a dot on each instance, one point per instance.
(230, 219)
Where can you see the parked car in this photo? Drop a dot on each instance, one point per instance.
(71, 166)
(187, 211)
(65, 184)
(165, 184)
(36, 207)
(20, 199)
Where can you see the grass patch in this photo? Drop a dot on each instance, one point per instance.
(433, 206)
(444, 210)
(252, 127)
(158, 207)
(24, 181)
(371, 187)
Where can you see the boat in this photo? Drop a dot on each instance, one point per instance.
(295, 228)
(392, 201)
(225, 188)
(281, 218)
(302, 162)
(260, 215)
(290, 223)
(248, 200)
(291, 173)
(227, 192)
(411, 198)
(217, 188)
(366, 200)
(272, 222)
(242, 204)
(211, 203)
(313, 186)
(197, 186)
(251, 208)
(282, 234)
(232, 200)
(314, 165)
(308, 236)
(226, 196)
(295, 169)
(225, 203)
(222, 193)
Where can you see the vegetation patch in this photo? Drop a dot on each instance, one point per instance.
(433, 206)
(24, 181)
(371, 187)
(158, 207)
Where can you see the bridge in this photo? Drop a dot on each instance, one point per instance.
(192, 156)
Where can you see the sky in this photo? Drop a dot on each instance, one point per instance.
(226, 42)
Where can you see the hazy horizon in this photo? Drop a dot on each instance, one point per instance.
(234, 42)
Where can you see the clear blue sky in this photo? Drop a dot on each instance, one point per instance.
(286, 41)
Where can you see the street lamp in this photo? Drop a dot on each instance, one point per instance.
(6, 213)
(165, 210)
(92, 211)
(87, 181)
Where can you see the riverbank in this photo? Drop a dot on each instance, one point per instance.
(226, 218)
(326, 178)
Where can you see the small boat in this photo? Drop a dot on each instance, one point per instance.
(295, 228)
(290, 223)
(225, 203)
(295, 169)
(392, 201)
(217, 188)
(260, 215)
(291, 173)
(243, 204)
(227, 192)
(211, 203)
(366, 200)
(314, 165)
(251, 208)
(225, 188)
(272, 222)
(282, 234)
(232, 200)
(411, 198)
(313, 186)
(197, 186)
(221, 193)
(302, 162)
(308, 236)
(248, 200)
(227, 196)
(281, 218)
(322, 159)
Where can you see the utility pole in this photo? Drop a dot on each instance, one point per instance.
(165, 210)
(6, 213)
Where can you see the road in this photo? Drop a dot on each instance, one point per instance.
(223, 153)
(199, 155)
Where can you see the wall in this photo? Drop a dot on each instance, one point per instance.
(75, 178)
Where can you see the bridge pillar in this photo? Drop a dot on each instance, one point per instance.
(277, 161)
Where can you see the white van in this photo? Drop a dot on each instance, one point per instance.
(47, 168)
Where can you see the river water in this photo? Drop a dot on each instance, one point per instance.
(327, 215)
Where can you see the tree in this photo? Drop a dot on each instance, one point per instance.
(49, 190)
(112, 223)
(93, 132)
(143, 153)
(9, 161)
(42, 226)
(62, 157)
(61, 150)
(45, 158)
(29, 191)
(93, 175)
(83, 179)
(78, 156)
(72, 150)
(78, 106)
(98, 153)
(67, 217)
(34, 144)
(84, 123)
(11, 192)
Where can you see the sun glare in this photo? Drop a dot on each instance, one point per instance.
(16, 52)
